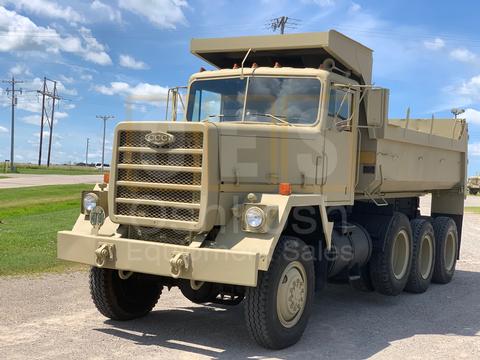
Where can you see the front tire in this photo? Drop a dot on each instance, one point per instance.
(277, 310)
(390, 265)
(126, 299)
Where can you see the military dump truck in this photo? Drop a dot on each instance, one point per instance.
(473, 185)
(284, 174)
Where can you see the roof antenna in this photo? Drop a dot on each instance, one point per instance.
(243, 62)
(282, 22)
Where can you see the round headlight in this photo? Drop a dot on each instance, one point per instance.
(254, 217)
(90, 201)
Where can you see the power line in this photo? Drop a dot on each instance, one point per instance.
(104, 118)
(13, 91)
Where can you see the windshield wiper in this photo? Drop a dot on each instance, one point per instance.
(274, 117)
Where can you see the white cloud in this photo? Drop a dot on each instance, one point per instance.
(323, 3)
(355, 7)
(19, 33)
(165, 14)
(142, 92)
(20, 69)
(112, 14)
(86, 77)
(462, 54)
(435, 44)
(3, 129)
(129, 62)
(67, 79)
(472, 116)
(469, 89)
(474, 149)
(48, 9)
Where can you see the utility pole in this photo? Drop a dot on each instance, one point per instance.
(86, 153)
(42, 121)
(14, 103)
(281, 23)
(54, 96)
(104, 118)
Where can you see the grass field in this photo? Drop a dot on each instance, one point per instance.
(55, 170)
(29, 221)
(475, 210)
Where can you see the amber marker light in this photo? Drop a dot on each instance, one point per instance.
(285, 188)
(106, 178)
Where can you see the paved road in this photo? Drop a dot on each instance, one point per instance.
(51, 316)
(26, 180)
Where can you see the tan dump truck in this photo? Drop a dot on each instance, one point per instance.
(473, 185)
(285, 174)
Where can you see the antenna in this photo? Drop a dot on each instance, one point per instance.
(281, 23)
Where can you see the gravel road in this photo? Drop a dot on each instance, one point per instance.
(51, 316)
(26, 180)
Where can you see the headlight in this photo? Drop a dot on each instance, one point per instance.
(254, 217)
(90, 201)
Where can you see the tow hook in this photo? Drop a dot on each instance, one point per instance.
(179, 263)
(103, 253)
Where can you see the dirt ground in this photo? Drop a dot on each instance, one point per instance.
(52, 316)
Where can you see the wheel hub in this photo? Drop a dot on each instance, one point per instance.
(291, 294)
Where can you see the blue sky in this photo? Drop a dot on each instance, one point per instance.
(107, 54)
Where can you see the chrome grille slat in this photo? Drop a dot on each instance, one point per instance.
(161, 183)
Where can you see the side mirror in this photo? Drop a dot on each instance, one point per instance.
(377, 107)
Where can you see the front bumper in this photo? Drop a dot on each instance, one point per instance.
(204, 264)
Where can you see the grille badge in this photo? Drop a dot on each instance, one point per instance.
(159, 139)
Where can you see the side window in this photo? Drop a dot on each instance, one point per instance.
(340, 108)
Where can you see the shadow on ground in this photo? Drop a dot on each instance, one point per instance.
(345, 323)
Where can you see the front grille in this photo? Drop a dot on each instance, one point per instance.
(167, 236)
(158, 183)
(183, 140)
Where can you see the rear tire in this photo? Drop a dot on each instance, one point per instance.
(390, 266)
(277, 310)
(446, 236)
(126, 299)
(423, 258)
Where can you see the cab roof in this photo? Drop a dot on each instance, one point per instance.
(291, 50)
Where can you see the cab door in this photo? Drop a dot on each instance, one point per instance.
(339, 160)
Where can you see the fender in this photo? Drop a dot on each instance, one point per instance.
(231, 236)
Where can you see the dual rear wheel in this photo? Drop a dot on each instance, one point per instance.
(414, 254)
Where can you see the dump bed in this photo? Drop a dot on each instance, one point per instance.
(413, 156)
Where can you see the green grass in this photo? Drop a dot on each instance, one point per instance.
(56, 170)
(3, 177)
(472, 209)
(29, 221)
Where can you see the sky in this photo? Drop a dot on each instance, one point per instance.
(107, 56)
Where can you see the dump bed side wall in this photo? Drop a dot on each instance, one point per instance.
(396, 159)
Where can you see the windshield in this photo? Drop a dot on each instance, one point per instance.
(255, 99)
